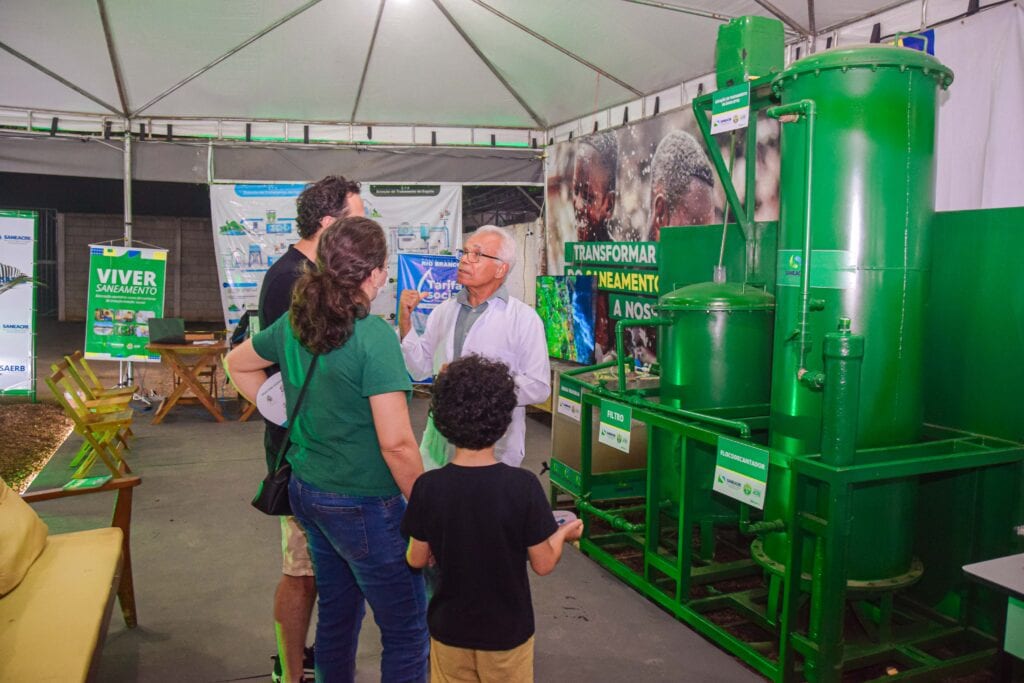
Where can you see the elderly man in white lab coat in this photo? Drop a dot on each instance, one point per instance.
(481, 319)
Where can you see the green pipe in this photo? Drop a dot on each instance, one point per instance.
(620, 350)
(763, 527)
(806, 109)
(700, 110)
(742, 427)
(616, 521)
(588, 368)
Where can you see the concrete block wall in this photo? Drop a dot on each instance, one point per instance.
(192, 291)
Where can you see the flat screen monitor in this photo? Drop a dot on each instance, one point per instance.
(566, 305)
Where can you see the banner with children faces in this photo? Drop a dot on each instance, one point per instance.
(625, 185)
(17, 302)
(126, 290)
(254, 224)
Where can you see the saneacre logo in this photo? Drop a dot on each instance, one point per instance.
(11, 327)
(17, 238)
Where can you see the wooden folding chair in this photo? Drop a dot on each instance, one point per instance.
(109, 404)
(80, 367)
(99, 423)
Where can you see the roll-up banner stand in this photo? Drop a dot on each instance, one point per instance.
(18, 234)
(126, 289)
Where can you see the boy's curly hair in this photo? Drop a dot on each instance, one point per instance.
(472, 402)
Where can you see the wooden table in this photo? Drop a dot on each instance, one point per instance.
(186, 361)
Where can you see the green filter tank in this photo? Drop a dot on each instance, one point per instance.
(715, 354)
(869, 114)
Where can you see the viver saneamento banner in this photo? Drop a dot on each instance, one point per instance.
(126, 289)
(17, 302)
(433, 276)
(253, 226)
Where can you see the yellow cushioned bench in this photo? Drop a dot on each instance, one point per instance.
(53, 623)
(57, 591)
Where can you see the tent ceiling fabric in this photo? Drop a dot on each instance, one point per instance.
(484, 63)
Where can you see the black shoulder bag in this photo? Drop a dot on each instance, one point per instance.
(272, 496)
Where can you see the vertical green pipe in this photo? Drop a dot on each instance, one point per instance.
(844, 354)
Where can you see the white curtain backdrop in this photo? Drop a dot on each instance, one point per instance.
(980, 145)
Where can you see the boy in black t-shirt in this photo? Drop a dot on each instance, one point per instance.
(481, 520)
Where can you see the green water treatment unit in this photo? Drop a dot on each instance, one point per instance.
(816, 379)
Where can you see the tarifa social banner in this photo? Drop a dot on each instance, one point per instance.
(17, 302)
(126, 289)
(433, 276)
(254, 224)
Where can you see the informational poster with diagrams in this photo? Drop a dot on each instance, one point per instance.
(254, 224)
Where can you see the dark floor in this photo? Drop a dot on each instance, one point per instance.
(206, 565)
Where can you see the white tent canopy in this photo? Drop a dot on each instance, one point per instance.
(217, 86)
(492, 64)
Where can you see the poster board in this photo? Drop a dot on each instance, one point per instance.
(126, 290)
(254, 224)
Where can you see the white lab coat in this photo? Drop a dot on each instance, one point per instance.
(511, 332)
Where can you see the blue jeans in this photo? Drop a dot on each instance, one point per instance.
(359, 555)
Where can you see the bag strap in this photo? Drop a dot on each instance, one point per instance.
(291, 422)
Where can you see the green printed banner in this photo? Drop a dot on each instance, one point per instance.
(741, 471)
(631, 307)
(126, 289)
(643, 254)
(570, 400)
(614, 430)
(730, 108)
(628, 281)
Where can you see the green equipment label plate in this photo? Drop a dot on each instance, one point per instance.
(615, 423)
(570, 401)
(830, 268)
(730, 108)
(741, 471)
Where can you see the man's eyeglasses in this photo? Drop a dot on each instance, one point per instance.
(473, 255)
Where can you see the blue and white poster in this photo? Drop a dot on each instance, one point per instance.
(254, 224)
(433, 276)
(17, 302)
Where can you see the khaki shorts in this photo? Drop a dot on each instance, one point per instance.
(294, 549)
(456, 664)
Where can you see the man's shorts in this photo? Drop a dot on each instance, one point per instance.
(294, 549)
(452, 664)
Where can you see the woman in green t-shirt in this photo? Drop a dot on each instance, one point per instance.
(353, 453)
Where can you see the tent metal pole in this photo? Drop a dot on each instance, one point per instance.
(115, 64)
(490, 65)
(238, 48)
(553, 44)
(785, 18)
(57, 77)
(128, 379)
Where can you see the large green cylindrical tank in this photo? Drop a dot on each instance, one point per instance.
(871, 204)
(716, 353)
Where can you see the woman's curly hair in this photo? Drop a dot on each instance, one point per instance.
(328, 298)
(472, 402)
